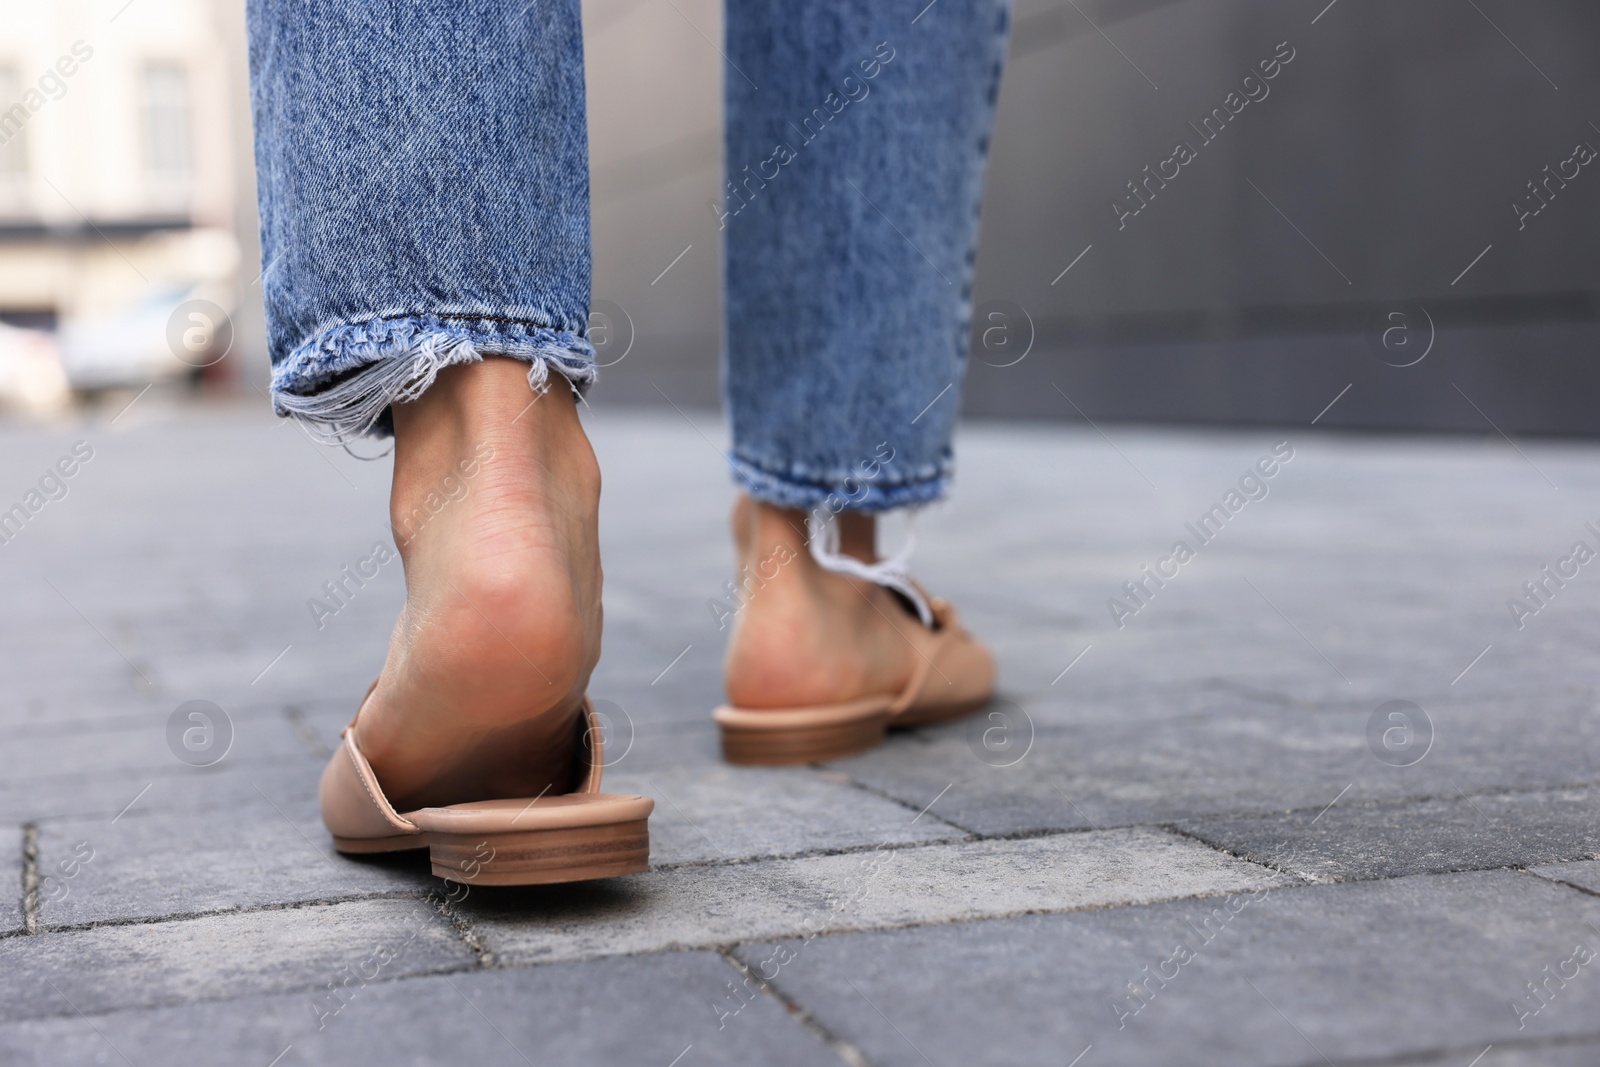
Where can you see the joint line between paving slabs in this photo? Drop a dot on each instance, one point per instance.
(1461, 795)
(891, 798)
(223, 999)
(1250, 858)
(1031, 833)
(302, 730)
(30, 878)
(464, 929)
(1562, 882)
(357, 897)
(1381, 802)
(845, 850)
(841, 1047)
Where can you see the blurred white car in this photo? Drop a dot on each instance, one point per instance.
(123, 348)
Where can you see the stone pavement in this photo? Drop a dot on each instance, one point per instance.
(1199, 838)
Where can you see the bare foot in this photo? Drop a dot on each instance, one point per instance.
(805, 635)
(495, 508)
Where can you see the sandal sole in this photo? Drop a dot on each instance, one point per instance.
(524, 857)
(785, 736)
(782, 736)
(938, 713)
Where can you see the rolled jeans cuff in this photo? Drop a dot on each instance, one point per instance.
(849, 491)
(341, 383)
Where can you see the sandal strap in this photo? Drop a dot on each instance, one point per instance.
(936, 614)
(591, 745)
(823, 534)
(926, 651)
(364, 774)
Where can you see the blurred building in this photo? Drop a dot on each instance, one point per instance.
(118, 181)
(1384, 221)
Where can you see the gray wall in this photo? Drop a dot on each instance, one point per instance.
(1395, 143)
(655, 151)
(1392, 147)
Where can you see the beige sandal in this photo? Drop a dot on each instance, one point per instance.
(952, 674)
(520, 841)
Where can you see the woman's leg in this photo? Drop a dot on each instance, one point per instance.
(856, 139)
(425, 230)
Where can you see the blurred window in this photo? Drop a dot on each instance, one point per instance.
(164, 92)
(13, 138)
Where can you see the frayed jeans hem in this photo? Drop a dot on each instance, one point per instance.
(850, 495)
(341, 383)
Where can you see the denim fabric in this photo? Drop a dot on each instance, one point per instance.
(855, 143)
(424, 200)
(424, 192)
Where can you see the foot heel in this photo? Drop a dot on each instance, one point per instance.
(541, 857)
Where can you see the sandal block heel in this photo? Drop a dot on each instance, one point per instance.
(773, 737)
(539, 857)
(952, 675)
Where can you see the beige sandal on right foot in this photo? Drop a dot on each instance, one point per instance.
(952, 675)
(517, 841)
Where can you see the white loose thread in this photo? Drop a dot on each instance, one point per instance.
(892, 573)
(348, 409)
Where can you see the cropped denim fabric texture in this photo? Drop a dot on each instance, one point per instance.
(423, 177)
(854, 153)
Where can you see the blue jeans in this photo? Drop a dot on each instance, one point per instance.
(423, 177)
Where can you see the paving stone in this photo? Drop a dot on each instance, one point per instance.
(660, 574)
(1582, 873)
(721, 904)
(173, 787)
(665, 673)
(216, 957)
(721, 812)
(1256, 760)
(265, 849)
(1209, 707)
(1301, 552)
(1387, 840)
(1075, 702)
(1558, 1053)
(685, 745)
(211, 858)
(1360, 971)
(141, 744)
(647, 1010)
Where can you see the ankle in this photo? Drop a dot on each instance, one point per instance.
(760, 528)
(481, 428)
